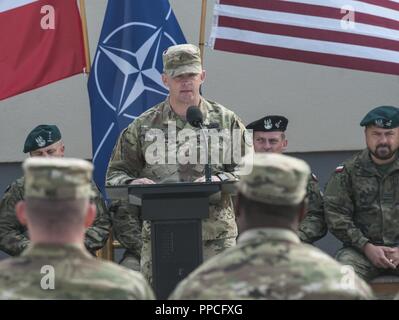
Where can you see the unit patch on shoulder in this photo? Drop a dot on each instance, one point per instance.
(8, 188)
(339, 169)
(314, 178)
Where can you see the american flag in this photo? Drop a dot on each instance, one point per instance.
(361, 35)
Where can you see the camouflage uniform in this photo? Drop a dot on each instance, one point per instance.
(128, 163)
(14, 237)
(361, 207)
(65, 270)
(127, 227)
(269, 262)
(77, 276)
(313, 227)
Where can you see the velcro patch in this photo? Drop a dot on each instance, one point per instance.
(339, 169)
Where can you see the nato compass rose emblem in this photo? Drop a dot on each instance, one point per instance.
(127, 70)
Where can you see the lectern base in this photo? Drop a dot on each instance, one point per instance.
(177, 250)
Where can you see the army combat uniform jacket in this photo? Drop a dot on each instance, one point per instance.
(362, 205)
(129, 162)
(68, 272)
(314, 226)
(270, 263)
(14, 236)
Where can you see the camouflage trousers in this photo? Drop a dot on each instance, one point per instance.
(361, 264)
(130, 261)
(210, 248)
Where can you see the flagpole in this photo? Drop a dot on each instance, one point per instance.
(82, 7)
(202, 29)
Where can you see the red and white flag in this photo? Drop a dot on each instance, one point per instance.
(40, 42)
(361, 35)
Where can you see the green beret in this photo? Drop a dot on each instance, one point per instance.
(269, 123)
(41, 136)
(386, 117)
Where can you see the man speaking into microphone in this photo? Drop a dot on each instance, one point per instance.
(152, 150)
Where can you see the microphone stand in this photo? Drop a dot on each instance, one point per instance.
(208, 170)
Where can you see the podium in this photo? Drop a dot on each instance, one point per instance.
(175, 211)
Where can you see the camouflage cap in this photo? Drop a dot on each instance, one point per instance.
(57, 178)
(275, 179)
(41, 136)
(386, 117)
(180, 59)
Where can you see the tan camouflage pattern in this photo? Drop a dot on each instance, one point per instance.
(275, 179)
(14, 236)
(270, 264)
(57, 178)
(181, 59)
(127, 227)
(77, 276)
(361, 205)
(314, 226)
(127, 163)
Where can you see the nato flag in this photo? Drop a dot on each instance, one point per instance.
(125, 79)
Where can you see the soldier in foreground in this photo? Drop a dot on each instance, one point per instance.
(269, 136)
(269, 261)
(57, 210)
(362, 196)
(45, 141)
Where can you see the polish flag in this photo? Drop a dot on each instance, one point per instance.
(40, 42)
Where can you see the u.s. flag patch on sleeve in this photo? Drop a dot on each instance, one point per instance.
(339, 169)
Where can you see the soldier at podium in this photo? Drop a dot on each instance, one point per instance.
(133, 161)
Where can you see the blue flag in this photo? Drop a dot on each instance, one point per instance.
(125, 78)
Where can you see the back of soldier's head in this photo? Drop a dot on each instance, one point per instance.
(57, 191)
(276, 187)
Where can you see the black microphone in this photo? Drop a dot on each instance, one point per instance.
(196, 119)
(194, 116)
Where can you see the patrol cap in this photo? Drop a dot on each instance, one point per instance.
(57, 178)
(41, 136)
(386, 117)
(275, 179)
(180, 59)
(269, 123)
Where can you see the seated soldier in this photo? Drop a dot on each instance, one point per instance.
(361, 199)
(269, 261)
(45, 141)
(269, 135)
(55, 265)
